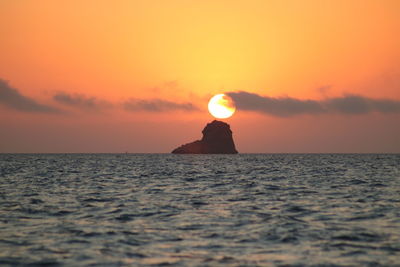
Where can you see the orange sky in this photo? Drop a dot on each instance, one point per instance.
(105, 55)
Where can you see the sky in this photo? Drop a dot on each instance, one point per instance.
(309, 76)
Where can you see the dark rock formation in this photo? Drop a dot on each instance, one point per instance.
(217, 139)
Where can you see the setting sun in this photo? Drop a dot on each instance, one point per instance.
(221, 106)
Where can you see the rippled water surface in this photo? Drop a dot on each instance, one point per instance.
(207, 210)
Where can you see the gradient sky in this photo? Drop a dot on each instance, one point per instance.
(136, 76)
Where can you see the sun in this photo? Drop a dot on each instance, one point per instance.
(221, 106)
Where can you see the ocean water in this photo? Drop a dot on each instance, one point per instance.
(200, 210)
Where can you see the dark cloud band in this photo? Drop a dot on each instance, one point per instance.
(11, 98)
(287, 106)
(133, 104)
(81, 101)
(157, 105)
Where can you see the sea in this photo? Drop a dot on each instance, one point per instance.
(199, 210)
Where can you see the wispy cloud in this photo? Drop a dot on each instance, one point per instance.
(156, 105)
(81, 101)
(287, 106)
(11, 98)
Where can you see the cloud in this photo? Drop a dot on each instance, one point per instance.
(157, 105)
(287, 106)
(282, 107)
(132, 104)
(354, 104)
(10, 97)
(324, 89)
(81, 101)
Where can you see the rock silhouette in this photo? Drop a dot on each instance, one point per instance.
(217, 139)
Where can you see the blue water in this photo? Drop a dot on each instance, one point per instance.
(200, 210)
